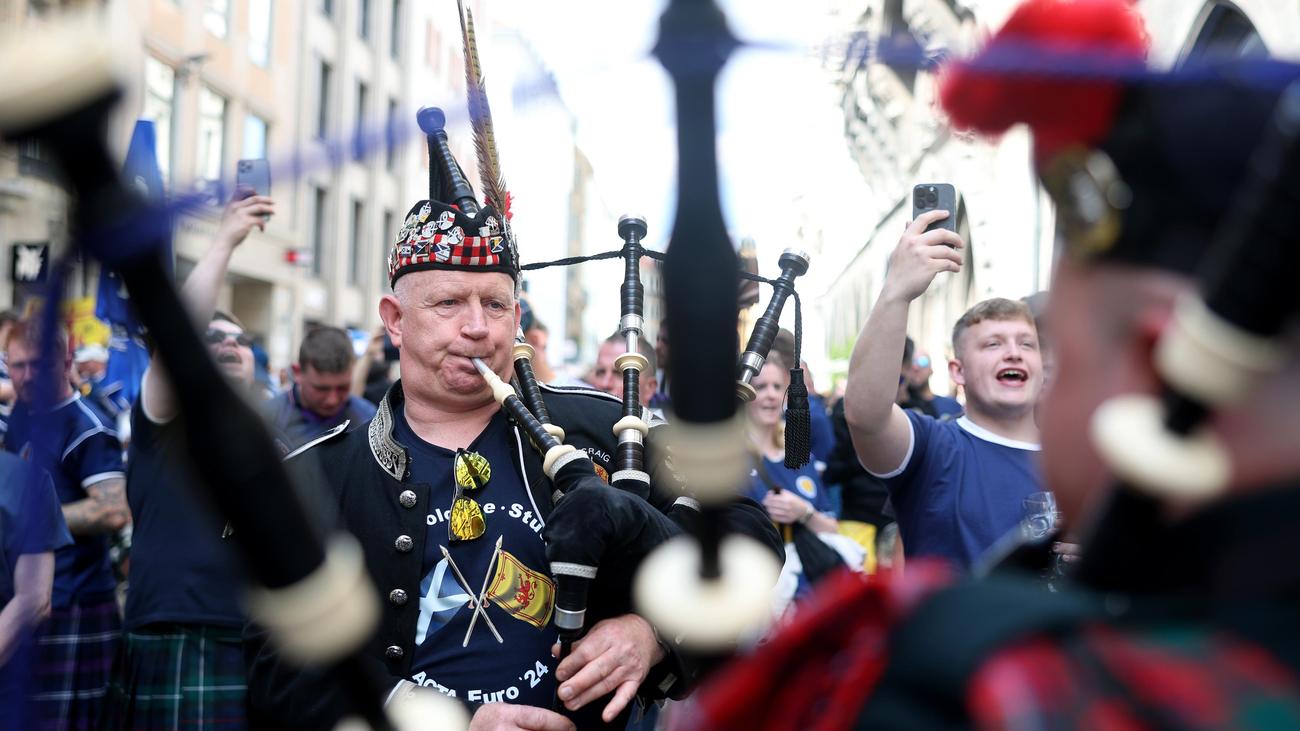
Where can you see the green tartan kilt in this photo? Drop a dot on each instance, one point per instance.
(178, 677)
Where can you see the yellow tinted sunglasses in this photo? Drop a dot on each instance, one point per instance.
(471, 471)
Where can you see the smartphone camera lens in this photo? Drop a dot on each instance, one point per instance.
(931, 197)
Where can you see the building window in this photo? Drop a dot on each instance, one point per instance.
(212, 135)
(385, 237)
(318, 227)
(390, 140)
(358, 132)
(259, 32)
(327, 8)
(363, 19)
(395, 31)
(160, 106)
(216, 17)
(254, 137)
(323, 100)
(357, 243)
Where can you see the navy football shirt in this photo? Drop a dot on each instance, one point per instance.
(80, 449)
(519, 593)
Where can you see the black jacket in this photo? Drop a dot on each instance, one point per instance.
(365, 471)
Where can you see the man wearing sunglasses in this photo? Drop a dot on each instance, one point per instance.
(181, 654)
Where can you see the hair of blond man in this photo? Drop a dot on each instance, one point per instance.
(995, 309)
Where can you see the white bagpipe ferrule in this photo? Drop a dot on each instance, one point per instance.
(632, 360)
(71, 62)
(1131, 437)
(413, 708)
(522, 351)
(554, 431)
(631, 423)
(688, 502)
(633, 475)
(710, 457)
(745, 392)
(326, 615)
(558, 456)
(1209, 358)
(707, 614)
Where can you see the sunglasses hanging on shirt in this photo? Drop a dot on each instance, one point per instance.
(471, 472)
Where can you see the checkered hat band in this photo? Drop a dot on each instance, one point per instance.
(471, 251)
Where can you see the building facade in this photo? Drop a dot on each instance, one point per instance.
(899, 139)
(225, 80)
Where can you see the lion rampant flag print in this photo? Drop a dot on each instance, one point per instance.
(526, 594)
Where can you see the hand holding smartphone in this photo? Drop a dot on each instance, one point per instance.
(936, 196)
(254, 175)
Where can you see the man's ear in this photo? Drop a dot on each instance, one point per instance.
(390, 312)
(297, 371)
(956, 372)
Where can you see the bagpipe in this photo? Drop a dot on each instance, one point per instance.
(597, 537)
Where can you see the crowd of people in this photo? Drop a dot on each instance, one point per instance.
(1034, 594)
(157, 634)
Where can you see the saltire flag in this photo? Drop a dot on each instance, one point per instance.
(127, 355)
(525, 594)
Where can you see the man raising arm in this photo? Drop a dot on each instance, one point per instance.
(880, 430)
(957, 486)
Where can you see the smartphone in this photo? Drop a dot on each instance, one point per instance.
(932, 196)
(254, 175)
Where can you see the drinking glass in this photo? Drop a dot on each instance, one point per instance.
(1041, 517)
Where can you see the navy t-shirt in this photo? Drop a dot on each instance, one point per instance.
(959, 488)
(181, 569)
(520, 592)
(947, 406)
(804, 482)
(80, 450)
(30, 518)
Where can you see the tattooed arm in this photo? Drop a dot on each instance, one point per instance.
(104, 511)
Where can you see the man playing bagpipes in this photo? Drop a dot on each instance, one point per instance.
(461, 505)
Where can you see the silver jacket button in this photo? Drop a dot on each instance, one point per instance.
(397, 596)
(404, 544)
(394, 652)
(408, 498)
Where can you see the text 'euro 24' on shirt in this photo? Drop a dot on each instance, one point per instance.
(518, 592)
(79, 448)
(959, 488)
(182, 570)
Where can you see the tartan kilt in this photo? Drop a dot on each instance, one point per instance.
(172, 676)
(73, 656)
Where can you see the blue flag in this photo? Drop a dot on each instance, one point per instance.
(127, 355)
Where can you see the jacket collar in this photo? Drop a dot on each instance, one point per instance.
(387, 451)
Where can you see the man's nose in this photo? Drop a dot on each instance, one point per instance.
(475, 321)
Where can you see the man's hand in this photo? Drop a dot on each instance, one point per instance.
(241, 216)
(508, 717)
(785, 507)
(615, 656)
(920, 255)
